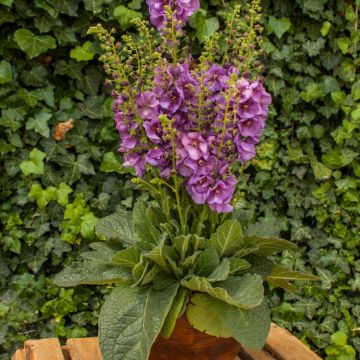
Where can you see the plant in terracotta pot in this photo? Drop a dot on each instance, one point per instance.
(187, 264)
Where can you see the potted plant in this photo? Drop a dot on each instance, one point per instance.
(186, 258)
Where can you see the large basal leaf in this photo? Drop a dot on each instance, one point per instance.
(280, 273)
(131, 320)
(227, 238)
(237, 265)
(117, 227)
(103, 252)
(92, 273)
(148, 234)
(269, 245)
(249, 327)
(244, 292)
(203, 315)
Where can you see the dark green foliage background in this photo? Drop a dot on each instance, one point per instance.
(305, 179)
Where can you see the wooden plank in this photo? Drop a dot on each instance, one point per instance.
(43, 349)
(248, 354)
(84, 349)
(285, 346)
(19, 355)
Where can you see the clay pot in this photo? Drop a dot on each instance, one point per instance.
(186, 343)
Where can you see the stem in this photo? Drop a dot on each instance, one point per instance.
(176, 188)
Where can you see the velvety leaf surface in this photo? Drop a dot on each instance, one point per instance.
(131, 319)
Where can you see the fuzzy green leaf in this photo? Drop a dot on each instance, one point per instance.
(128, 257)
(117, 227)
(90, 272)
(131, 320)
(207, 262)
(227, 238)
(278, 272)
(249, 327)
(244, 292)
(268, 246)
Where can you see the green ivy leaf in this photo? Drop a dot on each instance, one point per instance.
(125, 16)
(325, 28)
(321, 171)
(95, 6)
(110, 163)
(5, 72)
(339, 158)
(39, 123)
(32, 44)
(42, 196)
(227, 238)
(205, 27)
(68, 7)
(131, 320)
(6, 2)
(83, 53)
(249, 327)
(90, 272)
(245, 292)
(312, 92)
(344, 44)
(62, 193)
(87, 228)
(279, 26)
(35, 164)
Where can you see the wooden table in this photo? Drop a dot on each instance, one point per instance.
(280, 345)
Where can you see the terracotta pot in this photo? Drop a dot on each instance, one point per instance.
(186, 343)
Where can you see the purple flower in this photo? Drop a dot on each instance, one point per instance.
(251, 127)
(147, 104)
(182, 9)
(137, 162)
(153, 130)
(221, 194)
(216, 78)
(246, 151)
(170, 100)
(195, 145)
(198, 187)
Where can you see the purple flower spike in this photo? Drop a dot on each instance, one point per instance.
(148, 105)
(153, 130)
(195, 145)
(182, 10)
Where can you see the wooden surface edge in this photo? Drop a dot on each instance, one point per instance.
(280, 345)
(285, 346)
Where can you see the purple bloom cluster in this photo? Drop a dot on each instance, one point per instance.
(216, 121)
(181, 9)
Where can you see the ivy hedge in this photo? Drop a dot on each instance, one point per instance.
(54, 186)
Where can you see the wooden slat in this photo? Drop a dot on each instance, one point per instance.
(84, 349)
(247, 354)
(285, 346)
(43, 349)
(19, 355)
